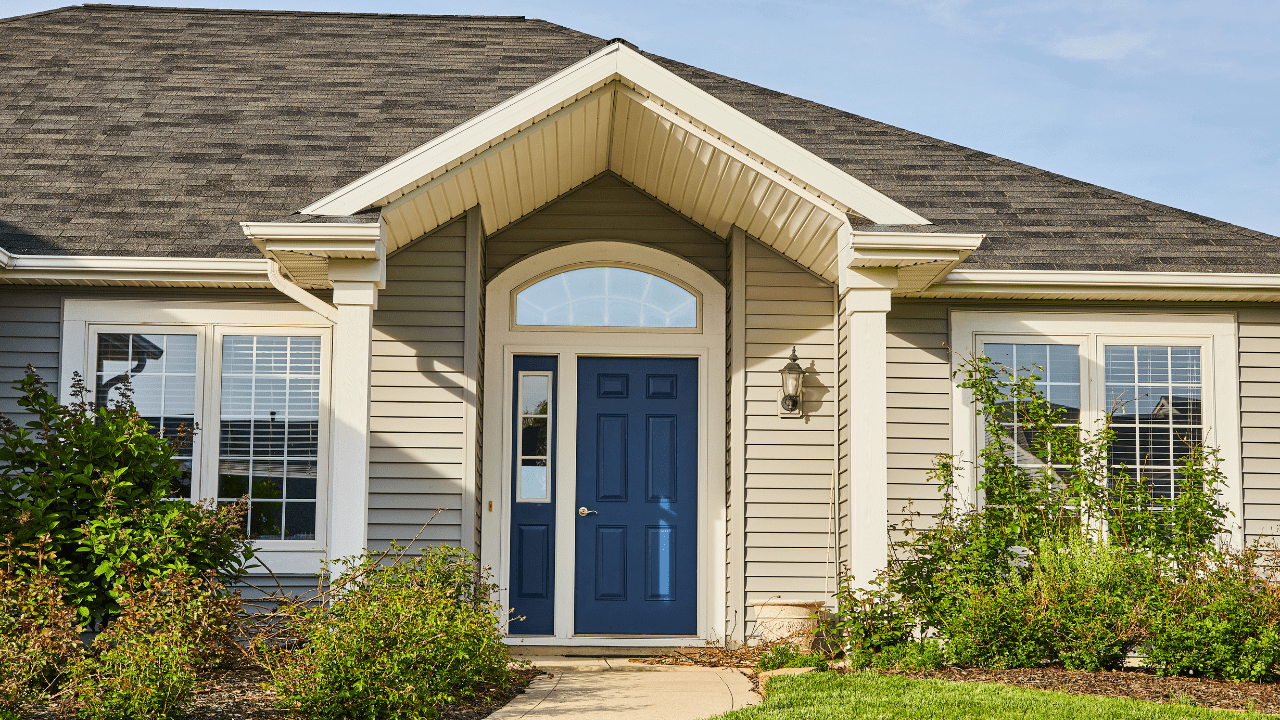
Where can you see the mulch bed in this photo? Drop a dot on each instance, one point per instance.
(1135, 684)
(238, 694)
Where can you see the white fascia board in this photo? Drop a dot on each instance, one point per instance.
(615, 61)
(359, 241)
(68, 269)
(6, 259)
(1102, 284)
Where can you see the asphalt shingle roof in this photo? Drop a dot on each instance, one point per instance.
(153, 132)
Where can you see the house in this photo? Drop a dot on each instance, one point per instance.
(548, 284)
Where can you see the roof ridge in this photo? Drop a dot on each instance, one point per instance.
(250, 11)
(971, 153)
(38, 13)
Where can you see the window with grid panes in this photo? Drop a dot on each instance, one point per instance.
(1154, 393)
(1057, 368)
(269, 432)
(160, 370)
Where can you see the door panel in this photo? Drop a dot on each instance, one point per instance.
(637, 472)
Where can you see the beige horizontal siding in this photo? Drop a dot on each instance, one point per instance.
(30, 333)
(789, 462)
(919, 403)
(416, 438)
(1259, 337)
(607, 208)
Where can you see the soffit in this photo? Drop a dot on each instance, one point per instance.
(662, 151)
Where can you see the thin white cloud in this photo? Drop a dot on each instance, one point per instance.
(1109, 46)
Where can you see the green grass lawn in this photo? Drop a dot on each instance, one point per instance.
(817, 696)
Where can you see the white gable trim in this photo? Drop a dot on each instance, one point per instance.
(615, 61)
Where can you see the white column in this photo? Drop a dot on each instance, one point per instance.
(355, 294)
(867, 297)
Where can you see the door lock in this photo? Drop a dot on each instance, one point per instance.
(582, 511)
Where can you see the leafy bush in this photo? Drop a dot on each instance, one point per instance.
(146, 663)
(140, 676)
(1091, 597)
(393, 639)
(912, 656)
(38, 637)
(84, 495)
(1017, 574)
(998, 627)
(1221, 619)
(785, 655)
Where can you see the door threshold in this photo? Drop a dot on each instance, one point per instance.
(601, 642)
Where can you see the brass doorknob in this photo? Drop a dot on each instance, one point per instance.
(582, 511)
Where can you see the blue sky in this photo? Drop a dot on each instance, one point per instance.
(1176, 101)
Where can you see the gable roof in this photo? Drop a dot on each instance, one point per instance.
(154, 132)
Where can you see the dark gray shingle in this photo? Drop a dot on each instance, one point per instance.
(149, 131)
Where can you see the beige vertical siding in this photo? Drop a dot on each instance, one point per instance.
(789, 462)
(1260, 420)
(30, 332)
(919, 403)
(608, 208)
(416, 428)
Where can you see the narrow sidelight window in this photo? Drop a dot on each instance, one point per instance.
(533, 440)
(269, 442)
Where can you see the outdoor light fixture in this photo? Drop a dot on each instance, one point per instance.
(791, 394)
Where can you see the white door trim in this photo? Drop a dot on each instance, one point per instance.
(503, 343)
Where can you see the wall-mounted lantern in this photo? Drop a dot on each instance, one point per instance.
(791, 395)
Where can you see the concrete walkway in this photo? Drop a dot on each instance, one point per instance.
(591, 688)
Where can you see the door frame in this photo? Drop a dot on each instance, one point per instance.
(503, 342)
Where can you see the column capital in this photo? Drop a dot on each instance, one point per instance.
(868, 289)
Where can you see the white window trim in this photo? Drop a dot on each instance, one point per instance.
(1216, 333)
(81, 318)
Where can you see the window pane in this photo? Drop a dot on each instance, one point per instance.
(606, 297)
(533, 479)
(534, 394)
(300, 521)
(533, 437)
(1157, 417)
(269, 445)
(161, 370)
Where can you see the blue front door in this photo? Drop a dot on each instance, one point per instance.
(637, 497)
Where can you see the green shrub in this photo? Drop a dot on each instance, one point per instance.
(913, 656)
(139, 676)
(393, 640)
(785, 655)
(1221, 619)
(38, 637)
(998, 627)
(84, 495)
(869, 620)
(146, 663)
(1091, 597)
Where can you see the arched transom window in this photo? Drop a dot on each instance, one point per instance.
(615, 297)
